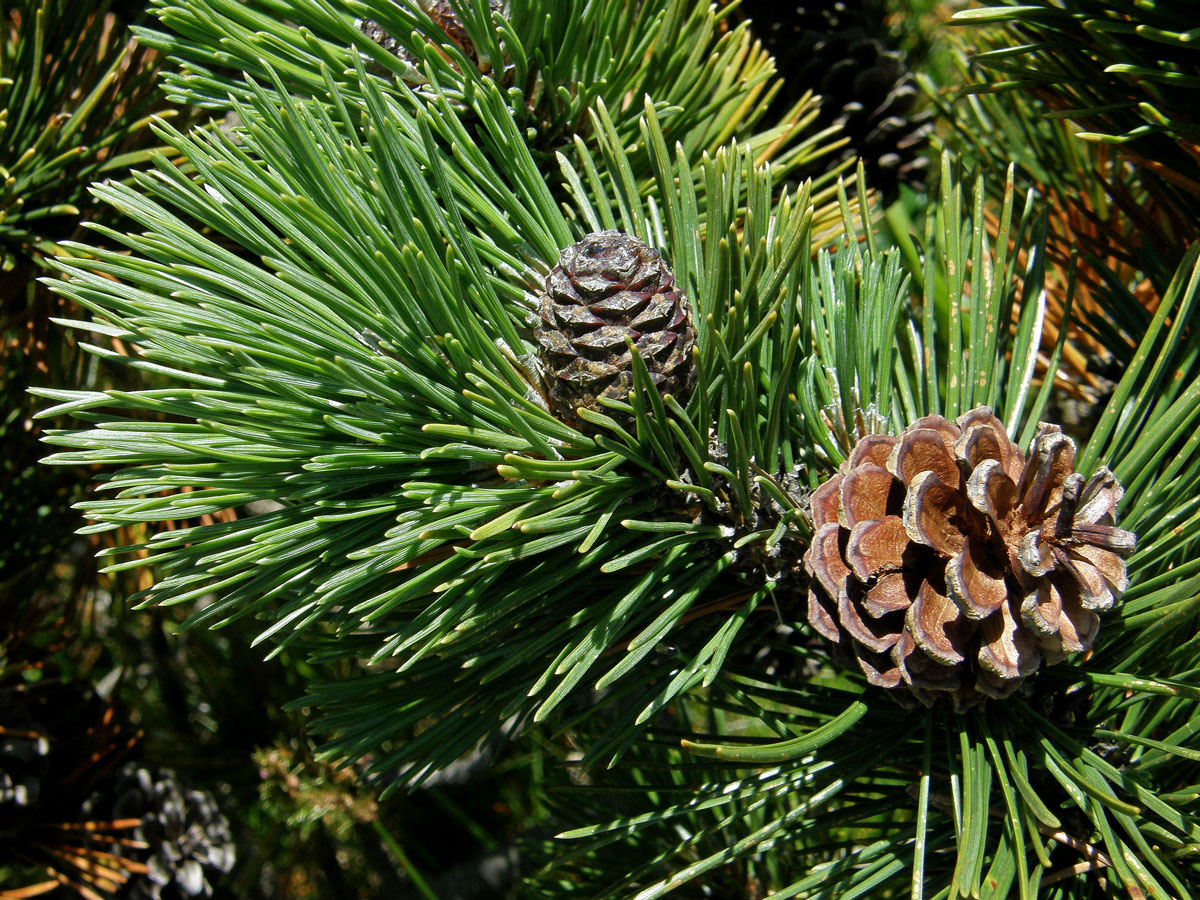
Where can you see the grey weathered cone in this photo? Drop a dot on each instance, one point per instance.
(188, 838)
(607, 291)
(24, 757)
(947, 563)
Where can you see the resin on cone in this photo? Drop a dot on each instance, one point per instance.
(607, 291)
(946, 562)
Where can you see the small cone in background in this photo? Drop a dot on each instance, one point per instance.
(832, 48)
(188, 840)
(947, 563)
(24, 758)
(607, 291)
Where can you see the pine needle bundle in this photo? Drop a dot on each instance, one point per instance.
(1126, 75)
(709, 83)
(1116, 231)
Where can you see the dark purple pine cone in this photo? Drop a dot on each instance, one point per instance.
(605, 290)
(837, 49)
(946, 563)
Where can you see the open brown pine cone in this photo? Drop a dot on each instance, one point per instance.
(947, 563)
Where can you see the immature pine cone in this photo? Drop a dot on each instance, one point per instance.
(945, 561)
(609, 287)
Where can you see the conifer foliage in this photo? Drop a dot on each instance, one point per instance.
(544, 380)
(76, 96)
